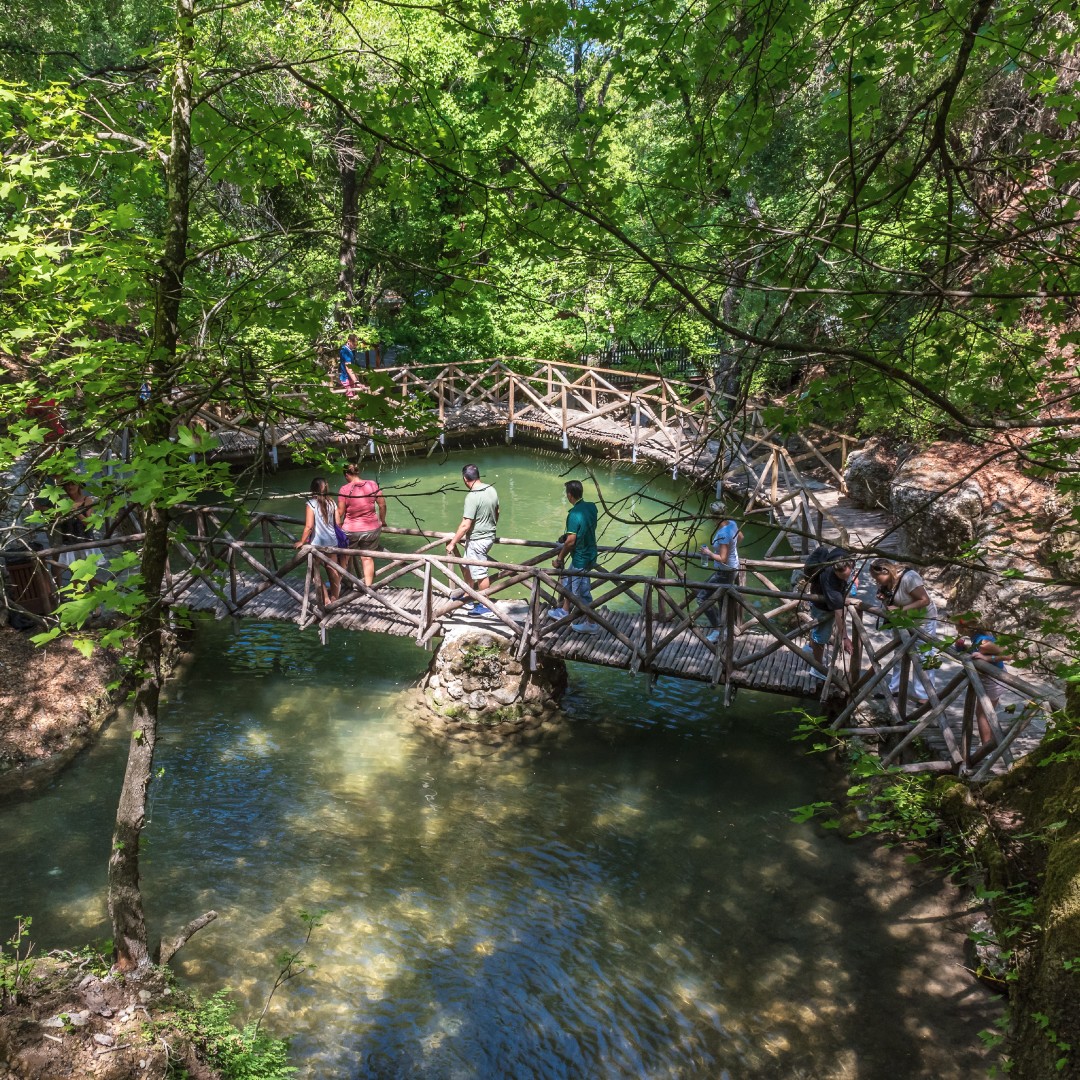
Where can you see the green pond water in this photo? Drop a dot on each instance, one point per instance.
(635, 902)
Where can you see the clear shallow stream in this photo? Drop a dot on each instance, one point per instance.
(634, 903)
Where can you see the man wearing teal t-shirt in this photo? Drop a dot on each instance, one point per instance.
(580, 544)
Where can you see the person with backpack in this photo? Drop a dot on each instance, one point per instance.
(976, 639)
(828, 580)
(723, 552)
(902, 589)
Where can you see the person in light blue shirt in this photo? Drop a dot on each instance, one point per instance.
(723, 552)
(346, 359)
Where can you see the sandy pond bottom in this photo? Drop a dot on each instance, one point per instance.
(636, 902)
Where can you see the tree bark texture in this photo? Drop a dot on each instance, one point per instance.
(1045, 1000)
(349, 220)
(354, 186)
(125, 895)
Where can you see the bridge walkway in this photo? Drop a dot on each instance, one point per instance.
(688, 655)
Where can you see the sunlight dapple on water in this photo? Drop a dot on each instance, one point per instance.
(636, 902)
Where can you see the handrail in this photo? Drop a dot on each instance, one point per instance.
(680, 418)
(668, 607)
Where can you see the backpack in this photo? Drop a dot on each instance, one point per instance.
(818, 560)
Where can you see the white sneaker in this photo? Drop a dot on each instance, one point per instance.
(557, 613)
(585, 627)
(713, 636)
(819, 675)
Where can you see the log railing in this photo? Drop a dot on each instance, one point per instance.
(241, 558)
(684, 425)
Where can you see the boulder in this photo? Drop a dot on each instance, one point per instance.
(940, 517)
(868, 475)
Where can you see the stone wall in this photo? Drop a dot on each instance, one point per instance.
(475, 691)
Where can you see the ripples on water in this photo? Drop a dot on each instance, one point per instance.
(634, 903)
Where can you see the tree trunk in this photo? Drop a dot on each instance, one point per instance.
(350, 199)
(1045, 999)
(125, 895)
(353, 189)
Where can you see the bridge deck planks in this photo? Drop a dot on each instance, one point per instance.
(685, 656)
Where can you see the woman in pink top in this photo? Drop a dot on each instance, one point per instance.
(362, 514)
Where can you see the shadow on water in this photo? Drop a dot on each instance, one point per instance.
(635, 902)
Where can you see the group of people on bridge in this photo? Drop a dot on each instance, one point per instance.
(355, 517)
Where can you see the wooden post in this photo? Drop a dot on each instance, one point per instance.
(905, 675)
(307, 590)
(269, 554)
(646, 603)
(534, 621)
(565, 443)
(728, 612)
(967, 723)
(425, 605)
(855, 664)
(661, 604)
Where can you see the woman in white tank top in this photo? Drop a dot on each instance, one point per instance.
(320, 531)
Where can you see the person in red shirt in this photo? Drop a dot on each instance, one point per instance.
(46, 412)
(362, 515)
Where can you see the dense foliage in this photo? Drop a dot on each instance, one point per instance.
(873, 205)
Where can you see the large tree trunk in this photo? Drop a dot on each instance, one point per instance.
(350, 199)
(125, 894)
(353, 188)
(1045, 1000)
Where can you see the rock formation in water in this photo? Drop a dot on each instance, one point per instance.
(476, 691)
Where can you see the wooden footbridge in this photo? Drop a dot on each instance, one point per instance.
(652, 621)
(688, 427)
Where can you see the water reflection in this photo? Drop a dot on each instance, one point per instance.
(637, 903)
(634, 903)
